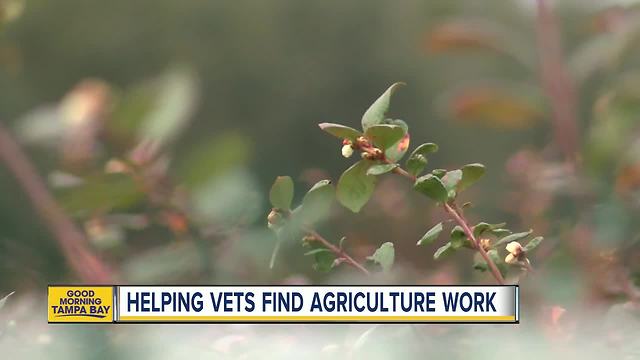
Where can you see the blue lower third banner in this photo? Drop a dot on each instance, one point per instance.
(295, 304)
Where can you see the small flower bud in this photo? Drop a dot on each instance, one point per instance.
(274, 218)
(485, 244)
(115, 166)
(514, 248)
(176, 222)
(376, 154)
(516, 253)
(347, 151)
(307, 240)
(362, 142)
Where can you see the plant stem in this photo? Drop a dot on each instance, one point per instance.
(402, 172)
(459, 218)
(557, 82)
(341, 254)
(451, 209)
(87, 265)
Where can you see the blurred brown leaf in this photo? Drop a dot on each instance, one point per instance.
(459, 35)
(495, 106)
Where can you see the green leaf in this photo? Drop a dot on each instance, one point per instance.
(430, 235)
(175, 101)
(480, 228)
(3, 301)
(439, 172)
(210, 159)
(376, 113)
(498, 260)
(324, 261)
(459, 238)
(416, 164)
(445, 250)
(281, 194)
(381, 169)
(470, 174)
(340, 131)
(290, 230)
(104, 192)
(432, 187)
(384, 136)
(396, 152)
(500, 232)
(355, 186)
(384, 256)
(426, 148)
(227, 199)
(131, 109)
(513, 237)
(157, 110)
(533, 243)
(397, 122)
(450, 180)
(316, 251)
(317, 202)
(417, 161)
(483, 227)
(481, 265)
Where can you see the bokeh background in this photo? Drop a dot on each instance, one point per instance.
(159, 126)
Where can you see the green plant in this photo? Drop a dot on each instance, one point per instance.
(382, 143)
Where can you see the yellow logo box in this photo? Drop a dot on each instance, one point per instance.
(74, 304)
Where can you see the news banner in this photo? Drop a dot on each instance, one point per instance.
(283, 304)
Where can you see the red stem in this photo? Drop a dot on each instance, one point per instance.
(557, 83)
(72, 241)
(459, 218)
(341, 254)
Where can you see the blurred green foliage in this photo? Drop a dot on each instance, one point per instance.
(159, 126)
(253, 79)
